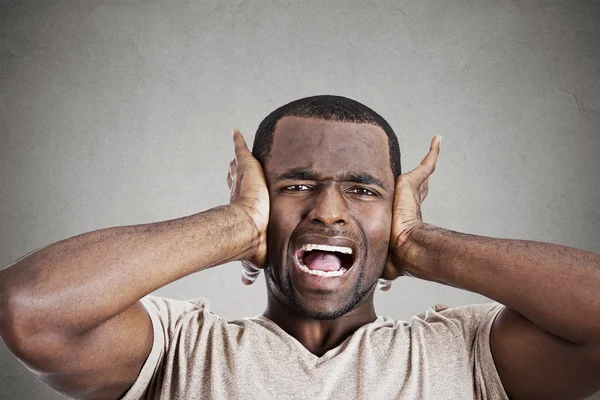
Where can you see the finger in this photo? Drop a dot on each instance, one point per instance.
(249, 272)
(424, 190)
(427, 165)
(231, 173)
(239, 143)
(424, 195)
(434, 150)
(384, 284)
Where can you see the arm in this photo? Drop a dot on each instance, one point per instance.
(71, 310)
(546, 341)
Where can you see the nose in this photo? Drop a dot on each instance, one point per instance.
(329, 207)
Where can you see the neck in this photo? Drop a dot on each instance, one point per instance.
(319, 336)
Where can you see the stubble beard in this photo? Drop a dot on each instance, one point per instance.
(285, 294)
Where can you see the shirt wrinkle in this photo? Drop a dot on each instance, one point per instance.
(199, 355)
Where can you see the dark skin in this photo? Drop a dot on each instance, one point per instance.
(545, 342)
(546, 349)
(327, 197)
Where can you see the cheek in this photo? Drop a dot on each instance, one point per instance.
(282, 218)
(282, 222)
(377, 227)
(377, 220)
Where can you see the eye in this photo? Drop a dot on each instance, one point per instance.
(297, 188)
(363, 191)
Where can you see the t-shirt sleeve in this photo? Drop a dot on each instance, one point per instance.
(165, 315)
(475, 321)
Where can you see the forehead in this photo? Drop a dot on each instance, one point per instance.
(330, 148)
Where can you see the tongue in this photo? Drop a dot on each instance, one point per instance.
(323, 261)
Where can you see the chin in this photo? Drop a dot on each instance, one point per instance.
(321, 310)
(322, 314)
(326, 307)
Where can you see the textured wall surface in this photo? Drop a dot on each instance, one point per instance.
(120, 112)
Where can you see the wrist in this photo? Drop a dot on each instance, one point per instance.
(252, 237)
(417, 252)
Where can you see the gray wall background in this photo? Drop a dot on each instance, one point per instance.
(120, 112)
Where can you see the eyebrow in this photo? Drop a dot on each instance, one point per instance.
(308, 175)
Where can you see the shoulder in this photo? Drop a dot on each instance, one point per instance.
(440, 327)
(173, 306)
(466, 319)
(170, 314)
(461, 337)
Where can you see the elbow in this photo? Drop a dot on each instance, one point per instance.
(13, 328)
(12, 321)
(5, 310)
(19, 330)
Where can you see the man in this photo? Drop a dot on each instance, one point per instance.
(322, 207)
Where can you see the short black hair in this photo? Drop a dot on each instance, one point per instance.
(325, 107)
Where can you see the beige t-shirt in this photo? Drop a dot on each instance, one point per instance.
(198, 355)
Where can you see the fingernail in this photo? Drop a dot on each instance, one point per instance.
(441, 140)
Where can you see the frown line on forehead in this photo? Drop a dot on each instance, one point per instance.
(301, 174)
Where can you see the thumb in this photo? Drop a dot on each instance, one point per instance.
(239, 143)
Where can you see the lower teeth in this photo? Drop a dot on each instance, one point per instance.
(339, 272)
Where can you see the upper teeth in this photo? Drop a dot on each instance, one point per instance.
(325, 247)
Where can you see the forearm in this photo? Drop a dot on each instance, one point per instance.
(555, 287)
(76, 284)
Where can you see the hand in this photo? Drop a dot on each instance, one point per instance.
(411, 190)
(249, 194)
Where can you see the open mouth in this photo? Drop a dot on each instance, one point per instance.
(325, 260)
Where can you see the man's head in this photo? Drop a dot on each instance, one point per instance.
(330, 165)
(330, 108)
